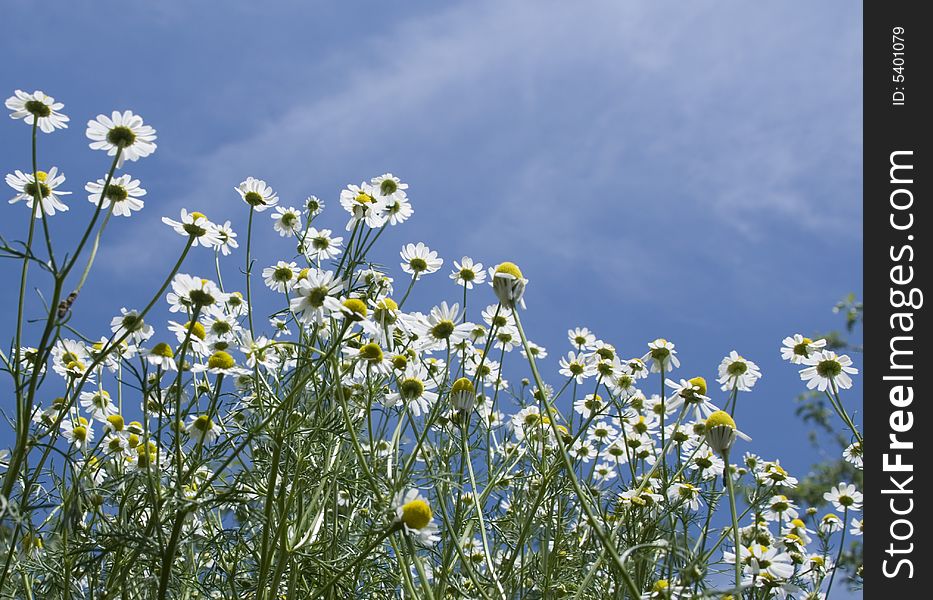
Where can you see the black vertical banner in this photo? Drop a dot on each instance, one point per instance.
(897, 167)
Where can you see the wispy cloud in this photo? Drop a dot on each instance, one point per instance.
(604, 123)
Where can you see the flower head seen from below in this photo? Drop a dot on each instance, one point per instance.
(37, 108)
(466, 273)
(844, 496)
(827, 371)
(124, 193)
(196, 227)
(736, 372)
(721, 432)
(365, 205)
(509, 284)
(418, 259)
(26, 189)
(414, 515)
(286, 221)
(798, 348)
(661, 356)
(124, 133)
(257, 194)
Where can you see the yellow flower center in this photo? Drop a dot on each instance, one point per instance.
(509, 268)
(162, 349)
(371, 352)
(462, 385)
(356, 306)
(196, 329)
(699, 385)
(416, 514)
(220, 360)
(720, 417)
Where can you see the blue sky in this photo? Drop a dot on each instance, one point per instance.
(659, 169)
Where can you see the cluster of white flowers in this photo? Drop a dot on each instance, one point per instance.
(356, 423)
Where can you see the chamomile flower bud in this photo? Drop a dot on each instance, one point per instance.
(721, 432)
(463, 394)
(509, 284)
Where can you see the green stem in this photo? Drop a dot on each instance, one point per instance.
(735, 528)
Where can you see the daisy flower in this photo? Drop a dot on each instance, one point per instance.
(25, 186)
(581, 338)
(202, 429)
(69, 357)
(397, 209)
(661, 355)
(389, 185)
(287, 221)
(195, 225)
(857, 527)
(579, 367)
(37, 108)
(79, 432)
(311, 294)
(466, 273)
(721, 432)
(161, 355)
(189, 292)
(780, 507)
(372, 360)
(507, 338)
(827, 370)
(831, 523)
(99, 404)
(496, 315)
(123, 132)
(259, 351)
(414, 390)
(194, 332)
(441, 327)
(414, 516)
(844, 496)
(770, 561)
(798, 348)
(772, 472)
(602, 432)
(226, 238)
(123, 192)
(314, 206)
(509, 284)
(538, 352)
(280, 277)
(220, 363)
(462, 394)
(685, 492)
(116, 444)
(320, 245)
(418, 259)
(219, 324)
(364, 205)
(707, 464)
(257, 194)
(604, 472)
(854, 454)
(583, 450)
(692, 394)
(590, 405)
(735, 372)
